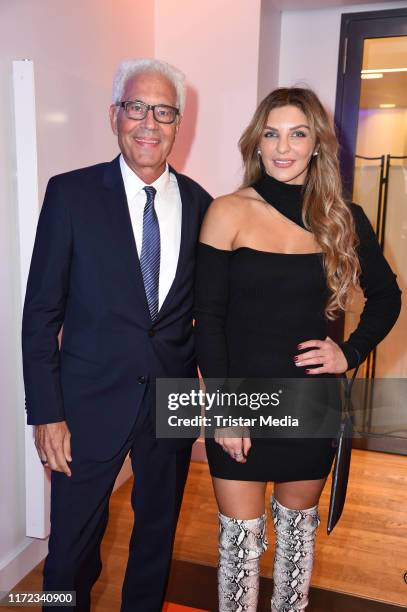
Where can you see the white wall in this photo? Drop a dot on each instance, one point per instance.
(75, 53)
(269, 49)
(310, 46)
(216, 43)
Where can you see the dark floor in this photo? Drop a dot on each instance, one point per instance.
(195, 585)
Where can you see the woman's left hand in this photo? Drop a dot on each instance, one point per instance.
(324, 353)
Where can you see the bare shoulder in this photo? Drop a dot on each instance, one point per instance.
(226, 204)
(233, 206)
(223, 220)
(248, 194)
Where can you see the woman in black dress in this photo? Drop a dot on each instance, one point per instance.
(276, 261)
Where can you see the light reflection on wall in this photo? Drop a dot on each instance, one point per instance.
(56, 117)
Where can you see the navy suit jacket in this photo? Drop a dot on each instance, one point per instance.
(85, 275)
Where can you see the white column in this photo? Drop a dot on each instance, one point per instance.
(37, 484)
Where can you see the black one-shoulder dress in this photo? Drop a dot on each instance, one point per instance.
(253, 308)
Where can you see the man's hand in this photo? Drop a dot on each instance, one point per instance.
(53, 443)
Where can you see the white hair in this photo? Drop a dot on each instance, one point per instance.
(130, 68)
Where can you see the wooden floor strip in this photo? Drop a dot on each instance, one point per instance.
(195, 584)
(171, 607)
(365, 556)
(360, 565)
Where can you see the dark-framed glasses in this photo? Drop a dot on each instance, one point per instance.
(135, 109)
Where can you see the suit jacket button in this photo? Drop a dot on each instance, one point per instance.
(151, 332)
(141, 380)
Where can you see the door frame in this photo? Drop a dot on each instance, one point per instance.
(355, 28)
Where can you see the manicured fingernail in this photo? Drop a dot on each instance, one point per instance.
(296, 358)
(308, 371)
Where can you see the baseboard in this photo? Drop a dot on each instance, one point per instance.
(31, 552)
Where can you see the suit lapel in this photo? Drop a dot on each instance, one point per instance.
(122, 231)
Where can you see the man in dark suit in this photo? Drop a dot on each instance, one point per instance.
(113, 263)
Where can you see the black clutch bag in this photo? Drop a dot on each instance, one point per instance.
(340, 474)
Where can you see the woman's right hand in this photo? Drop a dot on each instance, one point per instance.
(235, 441)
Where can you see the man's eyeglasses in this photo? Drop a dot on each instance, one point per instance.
(135, 109)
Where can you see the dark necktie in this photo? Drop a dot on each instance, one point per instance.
(150, 253)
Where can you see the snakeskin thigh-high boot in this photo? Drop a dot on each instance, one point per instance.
(241, 544)
(294, 556)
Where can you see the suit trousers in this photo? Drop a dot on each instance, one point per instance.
(79, 516)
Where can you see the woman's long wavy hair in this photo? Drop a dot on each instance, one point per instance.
(325, 212)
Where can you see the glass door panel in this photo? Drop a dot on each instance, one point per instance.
(391, 354)
(380, 181)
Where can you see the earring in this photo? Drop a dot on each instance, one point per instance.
(258, 152)
(315, 154)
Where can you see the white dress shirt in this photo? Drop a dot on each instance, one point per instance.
(168, 206)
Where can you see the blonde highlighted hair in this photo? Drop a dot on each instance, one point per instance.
(325, 213)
